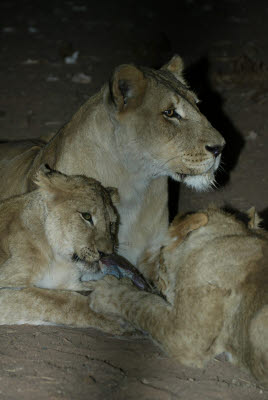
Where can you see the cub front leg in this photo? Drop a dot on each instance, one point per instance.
(36, 306)
(146, 311)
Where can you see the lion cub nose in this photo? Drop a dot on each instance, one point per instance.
(102, 254)
(215, 150)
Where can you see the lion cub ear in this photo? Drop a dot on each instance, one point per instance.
(42, 176)
(182, 226)
(127, 87)
(176, 66)
(45, 179)
(254, 219)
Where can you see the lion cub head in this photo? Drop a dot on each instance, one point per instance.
(158, 125)
(79, 217)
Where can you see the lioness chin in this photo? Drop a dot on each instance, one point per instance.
(213, 271)
(142, 127)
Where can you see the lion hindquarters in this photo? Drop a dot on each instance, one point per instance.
(200, 320)
(258, 338)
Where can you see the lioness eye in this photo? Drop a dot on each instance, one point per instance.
(87, 217)
(171, 113)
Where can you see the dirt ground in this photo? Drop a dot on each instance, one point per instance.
(224, 45)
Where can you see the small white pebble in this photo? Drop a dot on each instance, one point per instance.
(32, 29)
(252, 135)
(52, 78)
(81, 78)
(145, 381)
(72, 59)
(29, 61)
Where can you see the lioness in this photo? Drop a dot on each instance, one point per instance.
(143, 126)
(213, 271)
(49, 239)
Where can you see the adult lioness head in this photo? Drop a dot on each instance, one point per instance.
(159, 127)
(79, 218)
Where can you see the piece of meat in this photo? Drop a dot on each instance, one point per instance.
(121, 268)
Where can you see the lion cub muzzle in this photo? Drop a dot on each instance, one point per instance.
(89, 259)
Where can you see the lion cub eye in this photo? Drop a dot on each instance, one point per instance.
(172, 113)
(87, 217)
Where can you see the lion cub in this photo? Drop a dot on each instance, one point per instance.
(51, 238)
(213, 272)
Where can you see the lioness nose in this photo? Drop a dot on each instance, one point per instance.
(215, 150)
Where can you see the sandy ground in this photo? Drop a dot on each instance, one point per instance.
(224, 45)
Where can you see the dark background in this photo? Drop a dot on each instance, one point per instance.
(224, 45)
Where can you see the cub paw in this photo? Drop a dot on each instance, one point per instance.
(101, 299)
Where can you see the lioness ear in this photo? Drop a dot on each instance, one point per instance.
(127, 87)
(113, 192)
(176, 66)
(254, 219)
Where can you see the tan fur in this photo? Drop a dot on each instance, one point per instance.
(40, 232)
(216, 285)
(121, 137)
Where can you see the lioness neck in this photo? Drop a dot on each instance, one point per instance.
(104, 160)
